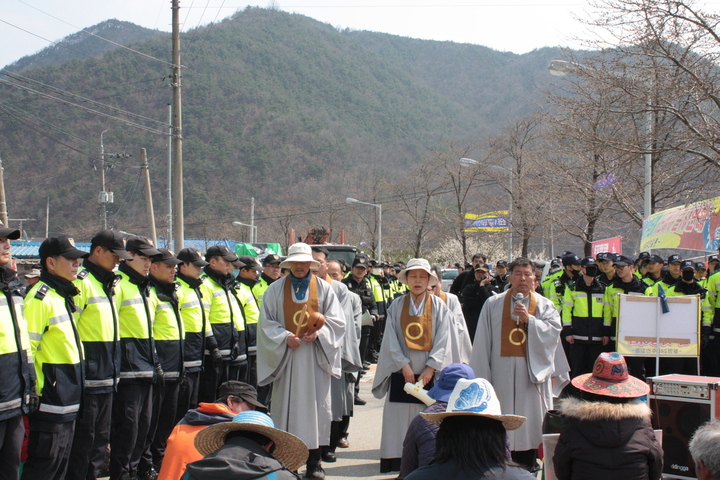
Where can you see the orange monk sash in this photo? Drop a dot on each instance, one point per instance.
(443, 297)
(417, 330)
(298, 314)
(513, 336)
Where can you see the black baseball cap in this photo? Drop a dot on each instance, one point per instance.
(655, 259)
(687, 264)
(242, 390)
(711, 258)
(62, 245)
(9, 233)
(555, 262)
(113, 241)
(166, 256)
(271, 260)
(482, 266)
(674, 259)
(587, 261)
(141, 244)
(501, 263)
(221, 251)
(250, 262)
(605, 256)
(570, 259)
(622, 261)
(360, 262)
(700, 266)
(190, 255)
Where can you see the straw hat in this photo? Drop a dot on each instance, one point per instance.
(475, 398)
(300, 252)
(418, 264)
(289, 449)
(610, 378)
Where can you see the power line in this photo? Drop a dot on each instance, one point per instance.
(19, 113)
(86, 109)
(95, 35)
(18, 77)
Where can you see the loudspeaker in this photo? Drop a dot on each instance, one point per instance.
(680, 404)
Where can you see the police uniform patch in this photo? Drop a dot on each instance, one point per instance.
(82, 274)
(42, 291)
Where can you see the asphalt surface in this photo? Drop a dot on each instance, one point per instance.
(362, 459)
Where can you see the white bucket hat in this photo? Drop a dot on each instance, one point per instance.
(300, 252)
(418, 264)
(475, 398)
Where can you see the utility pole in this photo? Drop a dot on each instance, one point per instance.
(253, 232)
(104, 198)
(169, 183)
(148, 196)
(3, 203)
(177, 180)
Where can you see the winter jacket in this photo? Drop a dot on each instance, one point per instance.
(180, 448)
(473, 299)
(239, 459)
(601, 440)
(419, 443)
(451, 470)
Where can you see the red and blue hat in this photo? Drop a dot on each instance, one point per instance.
(610, 378)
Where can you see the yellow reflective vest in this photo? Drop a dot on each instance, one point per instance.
(97, 322)
(135, 318)
(194, 307)
(57, 352)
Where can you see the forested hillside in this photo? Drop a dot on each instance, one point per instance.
(275, 105)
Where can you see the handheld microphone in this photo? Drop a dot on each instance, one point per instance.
(517, 298)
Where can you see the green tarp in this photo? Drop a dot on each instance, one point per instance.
(257, 249)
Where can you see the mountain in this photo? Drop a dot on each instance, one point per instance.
(276, 106)
(86, 43)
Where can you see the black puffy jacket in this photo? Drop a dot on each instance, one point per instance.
(601, 440)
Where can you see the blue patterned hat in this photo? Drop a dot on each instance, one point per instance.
(475, 397)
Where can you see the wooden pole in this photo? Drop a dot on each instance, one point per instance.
(148, 196)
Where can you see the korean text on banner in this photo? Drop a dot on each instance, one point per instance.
(487, 222)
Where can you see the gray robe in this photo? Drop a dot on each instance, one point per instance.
(523, 386)
(394, 354)
(460, 344)
(300, 378)
(342, 389)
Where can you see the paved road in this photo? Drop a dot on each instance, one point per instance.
(362, 459)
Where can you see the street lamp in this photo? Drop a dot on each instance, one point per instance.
(562, 68)
(379, 220)
(253, 230)
(469, 162)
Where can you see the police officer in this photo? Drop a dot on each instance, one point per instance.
(653, 270)
(583, 317)
(377, 282)
(169, 338)
(17, 375)
(556, 288)
(606, 265)
(99, 330)
(625, 282)
(359, 284)
(225, 317)
(140, 369)
(199, 336)
(58, 355)
(246, 280)
(500, 279)
(270, 273)
(475, 295)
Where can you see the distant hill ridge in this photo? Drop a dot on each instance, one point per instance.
(277, 106)
(81, 45)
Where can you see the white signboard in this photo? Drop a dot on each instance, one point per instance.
(643, 330)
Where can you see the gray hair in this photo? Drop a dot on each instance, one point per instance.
(705, 447)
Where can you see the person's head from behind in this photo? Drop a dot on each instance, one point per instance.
(239, 397)
(473, 429)
(705, 451)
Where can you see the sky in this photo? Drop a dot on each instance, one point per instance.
(520, 26)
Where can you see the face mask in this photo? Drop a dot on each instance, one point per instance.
(235, 272)
(573, 273)
(688, 275)
(591, 271)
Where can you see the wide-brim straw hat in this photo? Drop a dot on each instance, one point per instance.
(288, 448)
(418, 264)
(475, 398)
(300, 252)
(610, 378)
